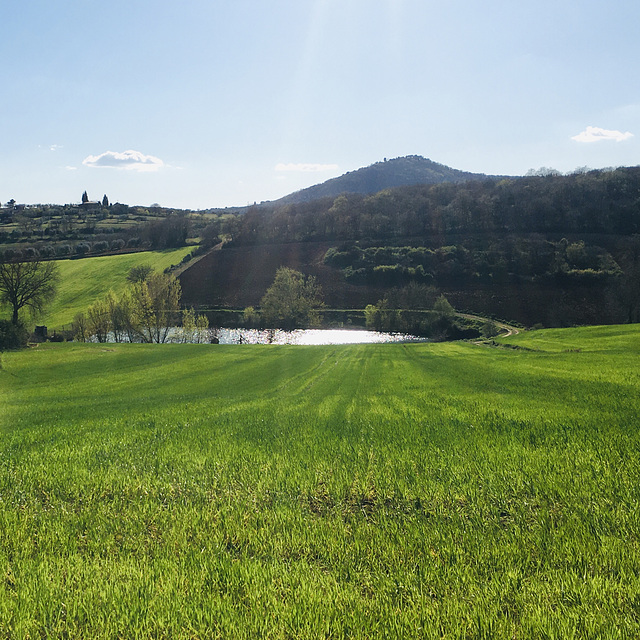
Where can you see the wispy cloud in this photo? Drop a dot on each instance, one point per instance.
(130, 160)
(596, 134)
(305, 167)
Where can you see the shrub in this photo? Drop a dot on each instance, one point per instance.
(12, 254)
(12, 336)
(101, 246)
(82, 248)
(355, 276)
(489, 329)
(251, 318)
(341, 259)
(117, 244)
(29, 253)
(389, 274)
(47, 250)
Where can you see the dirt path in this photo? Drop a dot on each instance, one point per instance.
(509, 330)
(183, 267)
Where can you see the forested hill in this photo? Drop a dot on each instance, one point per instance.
(597, 202)
(398, 172)
(556, 250)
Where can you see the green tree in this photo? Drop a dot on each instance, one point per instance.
(202, 327)
(194, 326)
(442, 326)
(293, 300)
(28, 285)
(156, 304)
(118, 312)
(250, 317)
(139, 273)
(381, 317)
(443, 308)
(129, 316)
(188, 325)
(99, 320)
(80, 328)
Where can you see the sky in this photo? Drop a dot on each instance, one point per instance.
(210, 103)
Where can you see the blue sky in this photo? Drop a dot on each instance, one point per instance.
(204, 103)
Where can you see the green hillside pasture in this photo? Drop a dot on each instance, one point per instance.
(596, 338)
(410, 491)
(85, 280)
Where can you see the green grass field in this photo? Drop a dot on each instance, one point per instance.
(401, 491)
(83, 281)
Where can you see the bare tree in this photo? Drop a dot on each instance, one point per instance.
(27, 284)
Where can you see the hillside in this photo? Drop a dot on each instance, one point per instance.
(83, 281)
(556, 250)
(398, 172)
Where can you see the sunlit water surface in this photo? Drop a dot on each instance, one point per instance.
(279, 336)
(311, 336)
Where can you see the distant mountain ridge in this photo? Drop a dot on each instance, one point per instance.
(398, 172)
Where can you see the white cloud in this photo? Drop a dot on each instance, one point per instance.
(595, 134)
(70, 168)
(305, 167)
(130, 160)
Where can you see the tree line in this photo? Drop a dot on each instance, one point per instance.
(48, 231)
(147, 311)
(420, 310)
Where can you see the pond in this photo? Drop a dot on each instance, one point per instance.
(280, 336)
(311, 336)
